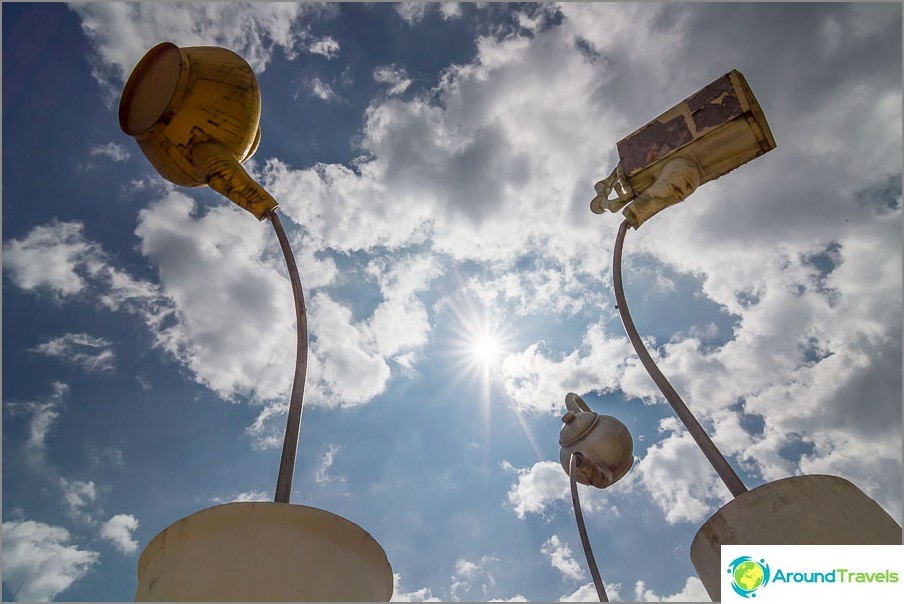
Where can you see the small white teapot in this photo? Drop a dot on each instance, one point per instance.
(604, 443)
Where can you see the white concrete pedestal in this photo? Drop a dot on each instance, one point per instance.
(263, 551)
(801, 510)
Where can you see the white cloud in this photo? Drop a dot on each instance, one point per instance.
(114, 151)
(423, 594)
(399, 324)
(243, 496)
(394, 76)
(234, 327)
(548, 288)
(122, 33)
(469, 575)
(536, 382)
(118, 530)
(562, 559)
(498, 152)
(91, 353)
(539, 486)
(244, 288)
(693, 592)
(326, 46)
(326, 462)
(58, 259)
(450, 10)
(42, 416)
(321, 89)
(680, 479)
(55, 257)
(412, 12)
(345, 366)
(587, 593)
(79, 495)
(39, 561)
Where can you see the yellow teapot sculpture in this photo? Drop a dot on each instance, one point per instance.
(195, 113)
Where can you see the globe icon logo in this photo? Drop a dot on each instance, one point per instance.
(748, 575)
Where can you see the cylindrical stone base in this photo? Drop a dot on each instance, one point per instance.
(801, 510)
(262, 551)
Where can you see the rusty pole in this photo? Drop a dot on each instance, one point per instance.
(293, 422)
(712, 453)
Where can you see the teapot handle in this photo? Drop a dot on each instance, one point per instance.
(575, 403)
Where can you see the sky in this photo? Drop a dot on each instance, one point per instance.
(434, 165)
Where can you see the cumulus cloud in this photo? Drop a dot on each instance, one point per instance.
(234, 328)
(39, 560)
(118, 530)
(54, 257)
(679, 478)
(546, 287)
(91, 353)
(461, 170)
(537, 381)
(393, 76)
(538, 487)
(423, 594)
(471, 574)
(693, 591)
(122, 33)
(587, 593)
(245, 289)
(562, 559)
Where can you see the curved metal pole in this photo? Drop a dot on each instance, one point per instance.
(712, 453)
(293, 422)
(573, 463)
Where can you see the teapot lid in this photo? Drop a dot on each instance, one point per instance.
(576, 426)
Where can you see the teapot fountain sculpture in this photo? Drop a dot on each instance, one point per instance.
(195, 113)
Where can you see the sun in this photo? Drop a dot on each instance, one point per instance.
(480, 343)
(485, 348)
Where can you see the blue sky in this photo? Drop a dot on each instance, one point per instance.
(434, 165)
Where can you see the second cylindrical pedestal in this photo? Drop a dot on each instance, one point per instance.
(800, 510)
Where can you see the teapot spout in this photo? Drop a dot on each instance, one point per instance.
(226, 176)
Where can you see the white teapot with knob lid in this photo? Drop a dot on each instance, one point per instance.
(604, 443)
